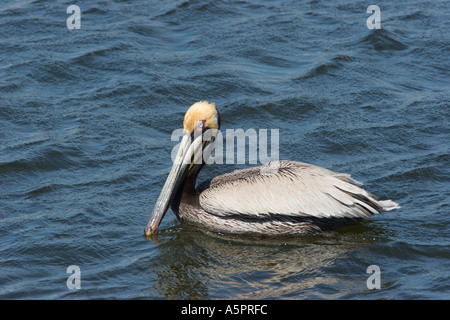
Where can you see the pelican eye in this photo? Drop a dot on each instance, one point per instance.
(199, 125)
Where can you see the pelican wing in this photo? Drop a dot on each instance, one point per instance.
(288, 188)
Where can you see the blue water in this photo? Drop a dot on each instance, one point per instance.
(86, 117)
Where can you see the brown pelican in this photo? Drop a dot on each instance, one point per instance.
(277, 198)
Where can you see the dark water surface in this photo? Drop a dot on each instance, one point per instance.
(86, 118)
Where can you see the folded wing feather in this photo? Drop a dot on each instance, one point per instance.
(288, 188)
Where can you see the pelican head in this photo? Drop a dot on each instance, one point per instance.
(200, 126)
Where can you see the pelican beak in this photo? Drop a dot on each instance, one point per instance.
(188, 154)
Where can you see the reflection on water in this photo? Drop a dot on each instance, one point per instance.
(193, 264)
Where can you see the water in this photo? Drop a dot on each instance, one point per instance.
(86, 119)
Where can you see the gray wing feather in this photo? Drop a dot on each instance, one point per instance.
(289, 188)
